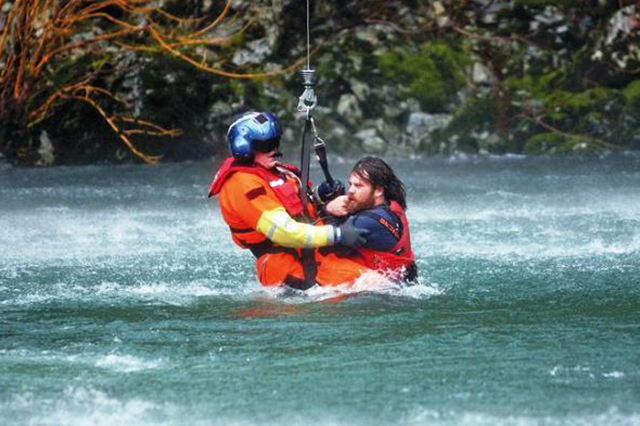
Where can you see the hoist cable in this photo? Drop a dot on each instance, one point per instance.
(308, 37)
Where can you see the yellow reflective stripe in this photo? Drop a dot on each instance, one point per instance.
(290, 224)
(280, 228)
(331, 236)
(309, 242)
(271, 232)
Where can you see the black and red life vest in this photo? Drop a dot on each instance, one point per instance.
(281, 183)
(400, 256)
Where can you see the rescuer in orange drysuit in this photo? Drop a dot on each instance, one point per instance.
(259, 200)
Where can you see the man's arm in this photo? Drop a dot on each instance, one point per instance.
(255, 204)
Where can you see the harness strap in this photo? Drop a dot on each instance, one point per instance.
(397, 232)
(267, 246)
(241, 230)
(309, 265)
(297, 283)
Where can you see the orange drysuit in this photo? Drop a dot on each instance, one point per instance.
(264, 212)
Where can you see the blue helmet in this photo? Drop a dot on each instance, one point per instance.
(253, 131)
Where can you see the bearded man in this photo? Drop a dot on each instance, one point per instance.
(376, 202)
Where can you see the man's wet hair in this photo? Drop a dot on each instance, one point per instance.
(378, 173)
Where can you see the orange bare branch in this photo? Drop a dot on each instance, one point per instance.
(215, 23)
(149, 159)
(7, 28)
(160, 130)
(149, 10)
(217, 71)
(109, 18)
(190, 41)
(42, 39)
(72, 46)
(138, 48)
(42, 112)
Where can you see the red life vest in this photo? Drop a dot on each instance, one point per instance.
(285, 191)
(399, 256)
(284, 183)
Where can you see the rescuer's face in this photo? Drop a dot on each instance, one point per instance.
(360, 195)
(268, 160)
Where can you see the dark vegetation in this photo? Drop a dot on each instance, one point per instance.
(141, 80)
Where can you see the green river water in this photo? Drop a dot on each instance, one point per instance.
(123, 301)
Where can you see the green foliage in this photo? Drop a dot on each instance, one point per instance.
(433, 75)
(543, 3)
(537, 87)
(475, 114)
(580, 103)
(632, 94)
(554, 143)
(585, 110)
(475, 117)
(543, 143)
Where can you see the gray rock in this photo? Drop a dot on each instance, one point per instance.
(220, 109)
(551, 15)
(359, 88)
(413, 105)
(256, 52)
(421, 123)
(349, 108)
(393, 110)
(367, 34)
(46, 150)
(384, 128)
(371, 141)
(338, 132)
(290, 134)
(482, 74)
(490, 15)
(621, 24)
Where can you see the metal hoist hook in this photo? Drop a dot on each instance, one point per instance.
(318, 142)
(308, 100)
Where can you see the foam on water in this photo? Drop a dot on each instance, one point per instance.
(49, 235)
(593, 373)
(126, 363)
(427, 417)
(370, 283)
(85, 406)
(80, 406)
(113, 293)
(121, 363)
(502, 250)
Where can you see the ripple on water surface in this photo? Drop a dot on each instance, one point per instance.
(124, 301)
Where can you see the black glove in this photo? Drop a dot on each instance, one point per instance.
(326, 192)
(350, 236)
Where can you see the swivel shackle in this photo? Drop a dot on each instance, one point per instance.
(308, 100)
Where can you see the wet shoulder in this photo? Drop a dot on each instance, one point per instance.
(383, 227)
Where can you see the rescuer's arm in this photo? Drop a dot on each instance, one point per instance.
(256, 204)
(283, 230)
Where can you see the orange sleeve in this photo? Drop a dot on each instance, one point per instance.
(243, 199)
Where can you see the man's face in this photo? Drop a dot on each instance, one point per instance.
(360, 195)
(268, 160)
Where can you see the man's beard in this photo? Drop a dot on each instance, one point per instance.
(354, 206)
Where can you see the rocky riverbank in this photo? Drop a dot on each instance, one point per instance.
(395, 78)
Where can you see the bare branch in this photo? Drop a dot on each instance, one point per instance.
(539, 121)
